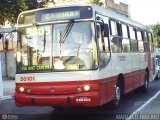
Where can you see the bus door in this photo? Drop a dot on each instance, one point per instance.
(135, 57)
(104, 56)
(126, 57)
(142, 57)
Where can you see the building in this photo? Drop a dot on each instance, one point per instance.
(115, 5)
(119, 7)
(7, 51)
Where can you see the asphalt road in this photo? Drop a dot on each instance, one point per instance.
(128, 105)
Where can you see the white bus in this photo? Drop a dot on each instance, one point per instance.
(82, 55)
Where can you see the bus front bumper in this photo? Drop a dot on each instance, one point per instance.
(89, 99)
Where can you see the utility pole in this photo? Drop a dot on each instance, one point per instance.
(1, 82)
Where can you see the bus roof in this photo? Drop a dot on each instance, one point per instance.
(114, 15)
(104, 11)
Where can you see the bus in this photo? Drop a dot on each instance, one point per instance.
(80, 56)
(157, 64)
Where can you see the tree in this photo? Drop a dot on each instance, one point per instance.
(32, 4)
(156, 30)
(98, 2)
(10, 9)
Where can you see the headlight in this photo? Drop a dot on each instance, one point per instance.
(86, 87)
(21, 89)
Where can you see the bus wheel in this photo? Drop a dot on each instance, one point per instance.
(146, 83)
(116, 101)
(157, 76)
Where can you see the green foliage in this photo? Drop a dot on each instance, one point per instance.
(10, 9)
(32, 4)
(155, 29)
(96, 2)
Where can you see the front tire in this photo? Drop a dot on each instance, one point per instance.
(118, 96)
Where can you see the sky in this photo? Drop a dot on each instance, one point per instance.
(144, 11)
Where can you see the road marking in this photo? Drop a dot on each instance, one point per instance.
(144, 105)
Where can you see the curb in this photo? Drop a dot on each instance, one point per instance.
(8, 97)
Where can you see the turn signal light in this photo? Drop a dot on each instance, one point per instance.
(79, 89)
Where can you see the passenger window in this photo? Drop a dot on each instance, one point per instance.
(134, 45)
(116, 44)
(132, 33)
(134, 42)
(124, 31)
(126, 45)
(116, 39)
(139, 35)
(150, 38)
(146, 42)
(125, 40)
(114, 30)
(140, 41)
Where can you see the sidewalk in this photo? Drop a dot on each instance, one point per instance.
(8, 89)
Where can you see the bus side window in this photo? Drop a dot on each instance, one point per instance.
(116, 40)
(125, 40)
(103, 40)
(140, 41)
(100, 38)
(146, 42)
(150, 39)
(103, 36)
(134, 42)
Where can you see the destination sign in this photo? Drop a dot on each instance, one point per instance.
(60, 15)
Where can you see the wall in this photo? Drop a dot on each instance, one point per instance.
(9, 62)
(120, 8)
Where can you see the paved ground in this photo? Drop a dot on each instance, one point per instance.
(8, 89)
(153, 107)
(129, 104)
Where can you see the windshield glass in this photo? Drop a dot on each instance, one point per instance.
(41, 48)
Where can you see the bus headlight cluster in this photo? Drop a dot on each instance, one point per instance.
(86, 87)
(21, 89)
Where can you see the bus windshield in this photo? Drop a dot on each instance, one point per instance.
(41, 47)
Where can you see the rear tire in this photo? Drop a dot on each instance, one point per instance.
(146, 83)
(158, 76)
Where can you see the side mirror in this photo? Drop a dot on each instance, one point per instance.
(6, 44)
(1, 35)
(98, 33)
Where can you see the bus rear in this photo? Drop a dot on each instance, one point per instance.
(57, 58)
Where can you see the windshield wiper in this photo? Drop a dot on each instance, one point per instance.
(66, 31)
